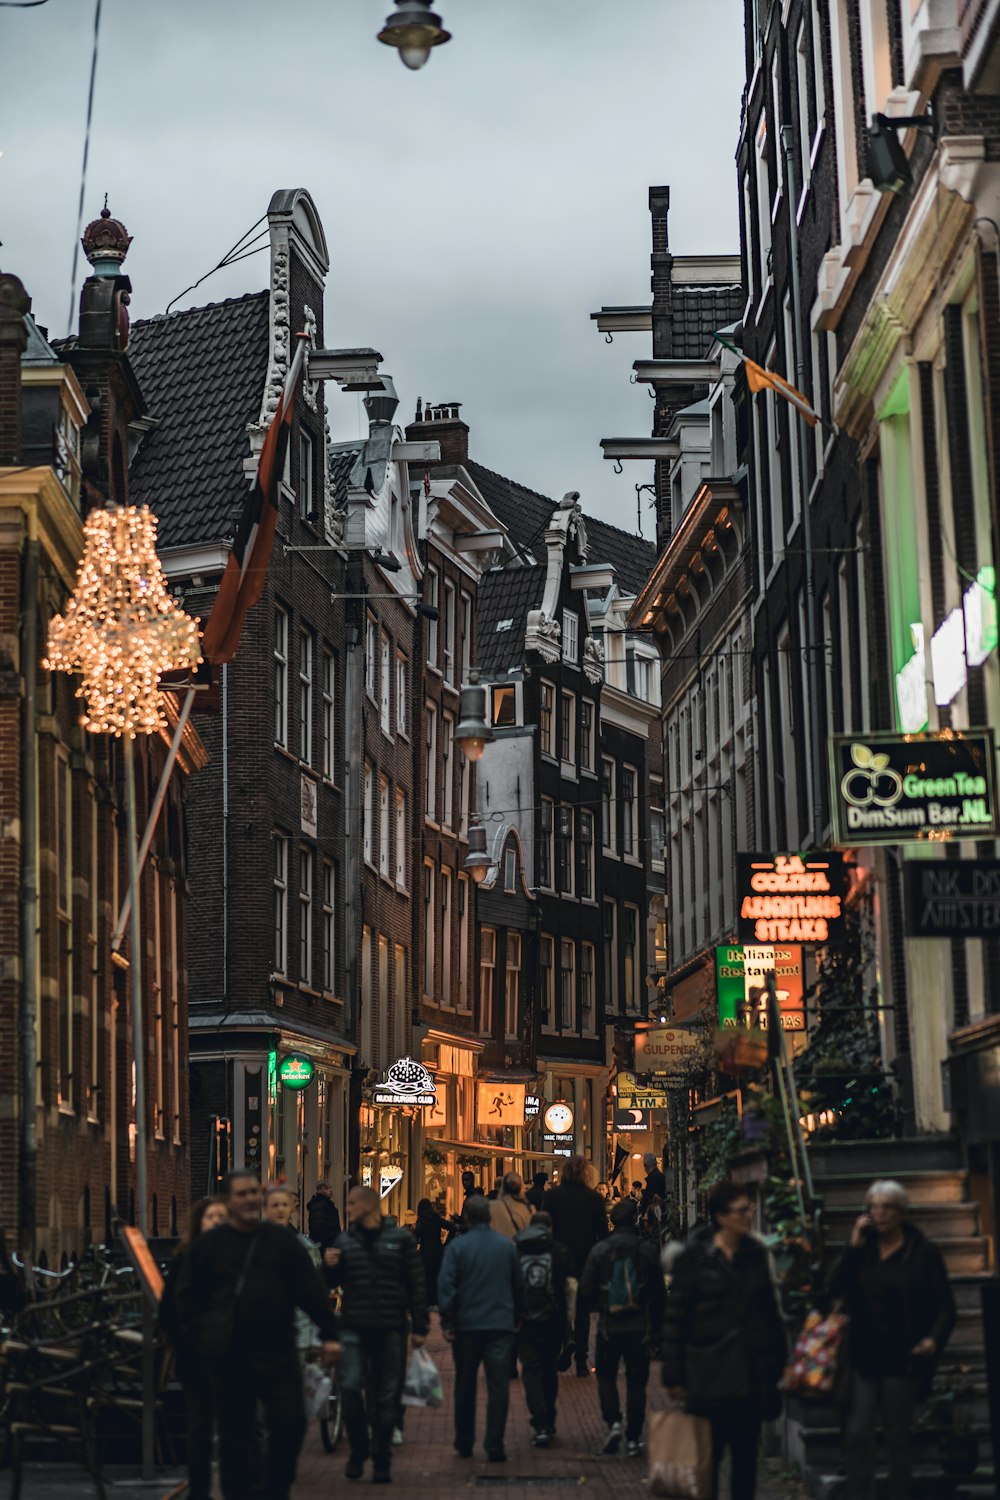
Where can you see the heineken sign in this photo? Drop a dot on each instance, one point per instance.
(295, 1071)
(890, 789)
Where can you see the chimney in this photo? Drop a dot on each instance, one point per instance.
(14, 304)
(442, 423)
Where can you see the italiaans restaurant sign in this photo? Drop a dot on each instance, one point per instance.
(890, 789)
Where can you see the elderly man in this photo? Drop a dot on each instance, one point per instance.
(509, 1211)
(480, 1298)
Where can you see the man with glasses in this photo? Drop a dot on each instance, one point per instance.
(723, 1338)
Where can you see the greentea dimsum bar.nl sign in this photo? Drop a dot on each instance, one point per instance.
(891, 789)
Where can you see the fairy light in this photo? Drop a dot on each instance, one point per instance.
(121, 630)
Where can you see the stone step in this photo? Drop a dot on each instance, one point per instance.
(968, 1291)
(885, 1158)
(848, 1189)
(963, 1255)
(928, 1484)
(937, 1220)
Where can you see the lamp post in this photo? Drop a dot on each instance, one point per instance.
(477, 862)
(473, 732)
(413, 29)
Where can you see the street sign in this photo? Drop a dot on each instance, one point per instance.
(633, 1119)
(296, 1072)
(740, 985)
(952, 897)
(891, 788)
(664, 1049)
(790, 898)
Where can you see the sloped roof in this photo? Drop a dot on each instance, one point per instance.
(202, 374)
(697, 312)
(343, 457)
(503, 599)
(525, 513)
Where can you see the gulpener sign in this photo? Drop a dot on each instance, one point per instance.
(790, 898)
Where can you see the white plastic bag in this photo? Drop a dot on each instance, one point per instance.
(316, 1388)
(423, 1383)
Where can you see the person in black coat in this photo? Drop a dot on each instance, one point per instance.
(429, 1228)
(536, 1193)
(579, 1220)
(723, 1337)
(895, 1288)
(323, 1217)
(544, 1267)
(656, 1182)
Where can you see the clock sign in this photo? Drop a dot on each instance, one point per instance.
(558, 1118)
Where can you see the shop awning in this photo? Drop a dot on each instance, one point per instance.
(436, 1140)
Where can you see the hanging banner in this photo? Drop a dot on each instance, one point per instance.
(890, 788)
(790, 898)
(741, 986)
(664, 1049)
(500, 1103)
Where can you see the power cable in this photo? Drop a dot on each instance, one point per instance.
(240, 251)
(83, 170)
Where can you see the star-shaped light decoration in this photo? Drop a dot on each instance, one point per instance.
(121, 630)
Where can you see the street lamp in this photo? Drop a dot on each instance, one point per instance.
(414, 29)
(473, 732)
(477, 862)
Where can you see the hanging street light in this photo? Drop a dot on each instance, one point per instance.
(414, 29)
(473, 732)
(477, 862)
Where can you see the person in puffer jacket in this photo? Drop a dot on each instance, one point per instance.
(723, 1337)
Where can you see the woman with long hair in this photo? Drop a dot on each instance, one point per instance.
(203, 1217)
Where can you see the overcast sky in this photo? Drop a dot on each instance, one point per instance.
(477, 211)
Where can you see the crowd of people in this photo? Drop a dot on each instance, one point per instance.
(520, 1280)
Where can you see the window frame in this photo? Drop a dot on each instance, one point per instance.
(279, 881)
(329, 715)
(430, 928)
(329, 927)
(280, 677)
(547, 718)
(512, 993)
(306, 654)
(306, 892)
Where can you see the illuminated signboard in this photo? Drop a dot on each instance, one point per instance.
(634, 1095)
(558, 1118)
(952, 897)
(664, 1049)
(406, 1082)
(632, 1119)
(891, 789)
(741, 986)
(500, 1103)
(964, 639)
(295, 1071)
(790, 898)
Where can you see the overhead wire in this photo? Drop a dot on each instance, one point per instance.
(245, 247)
(83, 169)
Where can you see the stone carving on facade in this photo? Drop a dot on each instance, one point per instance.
(310, 389)
(542, 634)
(593, 659)
(277, 369)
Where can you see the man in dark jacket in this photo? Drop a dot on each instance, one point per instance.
(656, 1182)
(723, 1338)
(579, 1220)
(623, 1280)
(544, 1267)
(378, 1268)
(480, 1298)
(323, 1217)
(536, 1193)
(235, 1304)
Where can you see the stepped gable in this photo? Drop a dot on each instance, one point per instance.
(503, 600)
(525, 513)
(202, 374)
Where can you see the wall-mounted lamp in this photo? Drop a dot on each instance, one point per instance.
(413, 29)
(888, 165)
(473, 732)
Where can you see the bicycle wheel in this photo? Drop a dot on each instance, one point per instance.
(331, 1422)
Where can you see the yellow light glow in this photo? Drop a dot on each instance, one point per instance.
(121, 630)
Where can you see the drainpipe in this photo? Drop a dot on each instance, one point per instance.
(225, 836)
(28, 1144)
(354, 730)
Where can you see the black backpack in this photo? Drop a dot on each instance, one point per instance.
(624, 1289)
(538, 1275)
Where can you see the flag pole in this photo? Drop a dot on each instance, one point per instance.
(154, 814)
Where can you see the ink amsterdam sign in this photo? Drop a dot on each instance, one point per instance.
(952, 897)
(889, 789)
(790, 898)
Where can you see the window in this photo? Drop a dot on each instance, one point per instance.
(504, 705)
(368, 813)
(329, 932)
(371, 657)
(384, 994)
(432, 624)
(430, 761)
(567, 729)
(447, 769)
(630, 812)
(308, 508)
(401, 839)
(586, 890)
(607, 803)
(643, 677)
(465, 786)
(402, 699)
(588, 1014)
(510, 870)
(570, 636)
(385, 684)
(466, 628)
(545, 850)
(367, 1038)
(567, 985)
(446, 937)
(587, 734)
(548, 979)
(383, 826)
(449, 632)
(564, 851)
(512, 987)
(487, 971)
(305, 915)
(463, 942)
(547, 714)
(329, 698)
(280, 904)
(64, 913)
(280, 677)
(608, 925)
(763, 201)
(630, 943)
(657, 835)
(428, 928)
(305, 696)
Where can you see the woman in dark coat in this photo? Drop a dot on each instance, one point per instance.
(190, 1367)
(428, 1230)
(896, 1293)
(723, 1338)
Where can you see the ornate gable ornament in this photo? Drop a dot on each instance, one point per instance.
(543, 632)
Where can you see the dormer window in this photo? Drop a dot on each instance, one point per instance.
(570, 636)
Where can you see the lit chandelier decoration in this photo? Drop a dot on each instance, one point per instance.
(121, 630)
